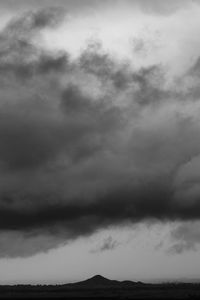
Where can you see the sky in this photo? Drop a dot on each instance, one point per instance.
(99, 140)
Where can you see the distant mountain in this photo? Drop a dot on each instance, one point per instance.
(100, 281)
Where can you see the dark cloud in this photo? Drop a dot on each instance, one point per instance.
(31, 21)
(20, 30)
(17, 244)
(89, 143)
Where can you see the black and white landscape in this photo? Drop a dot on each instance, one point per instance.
(99, 143)
(99, 287)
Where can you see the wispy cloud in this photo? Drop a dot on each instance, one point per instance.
(108, 244)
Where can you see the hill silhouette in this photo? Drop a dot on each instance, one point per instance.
(100, 281)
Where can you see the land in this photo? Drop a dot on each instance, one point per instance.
(99, 287)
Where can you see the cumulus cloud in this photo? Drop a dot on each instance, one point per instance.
(89, 143)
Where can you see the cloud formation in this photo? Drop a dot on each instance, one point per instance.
(89, 143)
(108, 244)
(185, 237)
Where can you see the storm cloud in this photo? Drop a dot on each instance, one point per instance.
(89, 143)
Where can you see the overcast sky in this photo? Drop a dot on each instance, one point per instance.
(99, 140)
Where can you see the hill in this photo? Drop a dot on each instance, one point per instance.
(100, 281)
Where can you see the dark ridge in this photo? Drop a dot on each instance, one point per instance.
(98, 280)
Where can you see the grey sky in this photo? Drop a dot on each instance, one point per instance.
(102, 111)
(148, 6)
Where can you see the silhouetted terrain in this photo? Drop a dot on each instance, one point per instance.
(100, 288)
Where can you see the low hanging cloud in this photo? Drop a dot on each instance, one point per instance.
(108, 244)
(185, 237)
(89, 143)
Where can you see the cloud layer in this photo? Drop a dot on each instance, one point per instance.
(89, 143)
